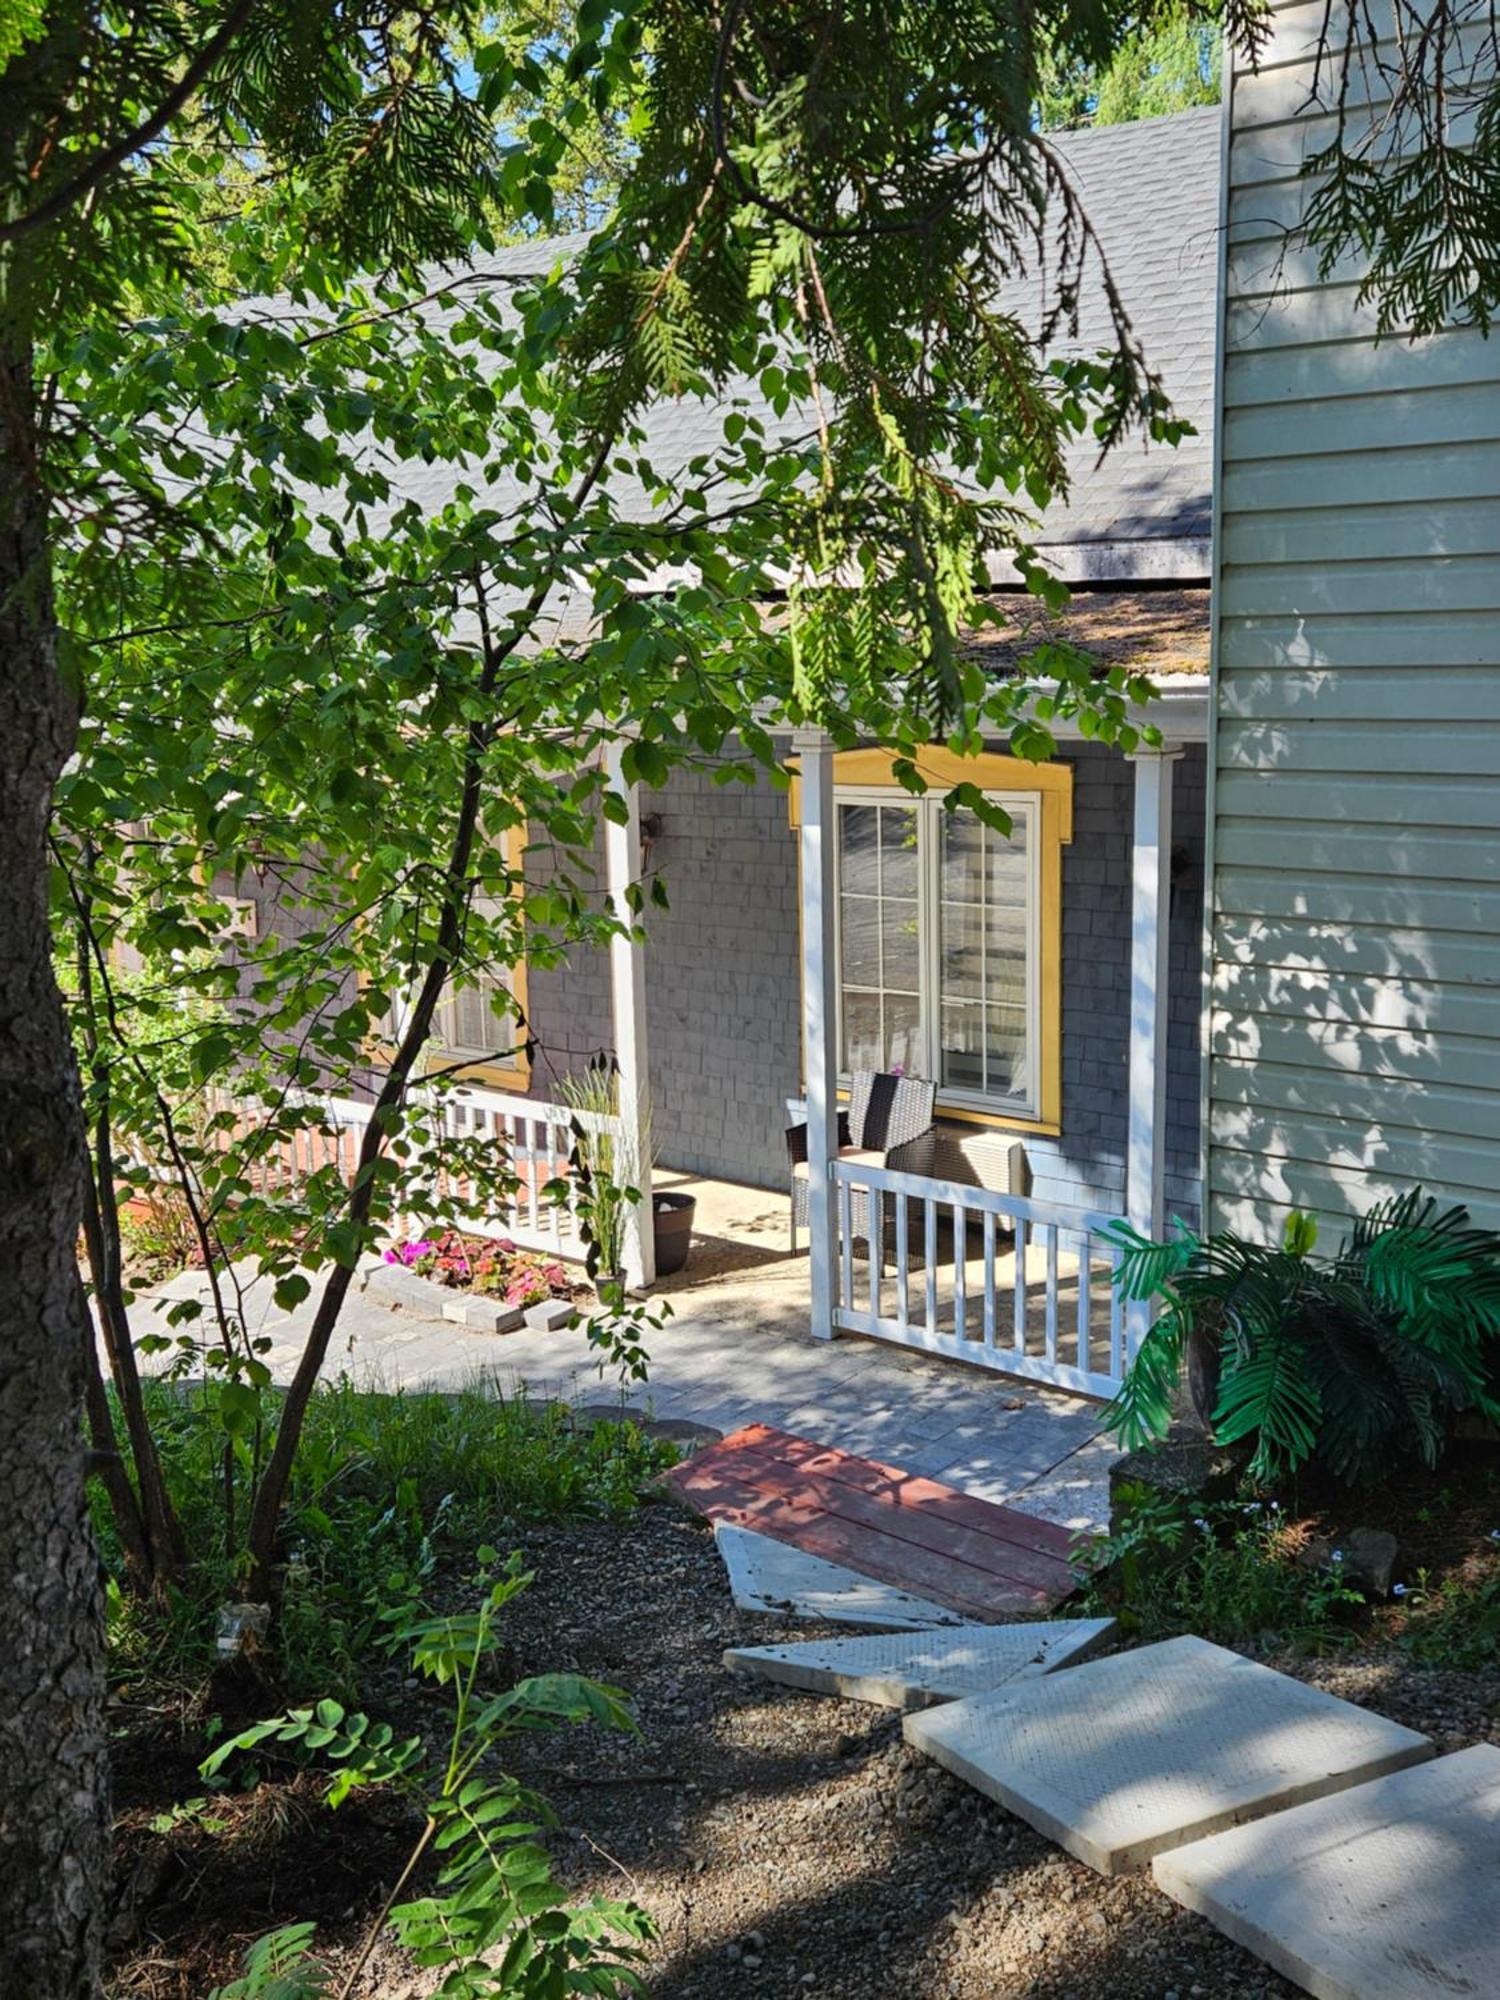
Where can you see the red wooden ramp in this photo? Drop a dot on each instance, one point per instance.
(985, 1561)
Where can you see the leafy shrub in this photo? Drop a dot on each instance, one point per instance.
(1224, 1571)
(383, 1483)
(493, 1921)
(157, 1234)
(1353, 1362)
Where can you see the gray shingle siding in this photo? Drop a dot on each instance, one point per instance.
(723, 990)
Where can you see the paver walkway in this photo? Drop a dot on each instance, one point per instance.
(788, 1583)
(1123, 1758)
(1385, 1892)
(738, 1350)
(921, 1669)
(989, 1562)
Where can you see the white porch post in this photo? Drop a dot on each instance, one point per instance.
(1150, 872)
(819, 1015)
(627, 992)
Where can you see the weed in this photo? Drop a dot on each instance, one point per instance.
(1224, 1571)
(384, 1484)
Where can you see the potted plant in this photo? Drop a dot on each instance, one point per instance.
(1354, 1360)
(612, 1169)
(608, 1170)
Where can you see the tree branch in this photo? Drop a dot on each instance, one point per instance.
(104, 164)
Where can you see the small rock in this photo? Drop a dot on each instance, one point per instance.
(1365, 1558)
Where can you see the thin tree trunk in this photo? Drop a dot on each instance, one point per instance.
(270, 1493)
(167, 1550)
(53, 1760)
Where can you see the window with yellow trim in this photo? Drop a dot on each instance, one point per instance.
(939, 946)
(482, 1021)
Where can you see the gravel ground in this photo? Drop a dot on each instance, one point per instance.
(785, 1843)
(788, 1843)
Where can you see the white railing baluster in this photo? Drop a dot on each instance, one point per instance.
(875, 1246)
(1053, 1234)
(1018, 1301)
(846, 1244)
(960, 1270)
(903, 1267)
(989, 1279)
(533, 1179)
(1116, 1321)
(929, 1264)
(1085, 1277)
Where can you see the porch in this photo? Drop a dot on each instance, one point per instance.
(1007, 1272)
(970, 1262)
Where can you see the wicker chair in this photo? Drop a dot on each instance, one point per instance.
(887, 1120)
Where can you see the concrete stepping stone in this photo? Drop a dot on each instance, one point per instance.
(1124, 1757)
(1384, 1892)
(918, 1669)
(765, 1575)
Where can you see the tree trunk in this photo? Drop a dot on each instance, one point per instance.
(53, 1768)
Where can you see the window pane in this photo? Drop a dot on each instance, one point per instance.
(963, 1047)
(859, 936)
(984, 917)
(898, 851)
(859, 850)
(1005, 1051)
(903, 1047)
(1009, 876)
(861, 1014)
(962, 857)
(901, 947)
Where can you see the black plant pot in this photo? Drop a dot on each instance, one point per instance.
(672, 1227)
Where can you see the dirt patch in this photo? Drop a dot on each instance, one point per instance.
(785, 1843)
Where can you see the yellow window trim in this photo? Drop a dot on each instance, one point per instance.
(1052, 786)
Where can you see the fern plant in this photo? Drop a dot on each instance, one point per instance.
(1351, 1362)
(494, 1921)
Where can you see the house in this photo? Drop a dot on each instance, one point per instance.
(1049, 985)
(1354, 979)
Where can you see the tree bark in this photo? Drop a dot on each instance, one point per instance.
(53, 1758)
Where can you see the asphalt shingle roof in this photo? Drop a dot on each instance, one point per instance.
(1151, 192)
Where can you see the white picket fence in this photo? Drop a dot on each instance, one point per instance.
(1023, 1286)
(531, 1139)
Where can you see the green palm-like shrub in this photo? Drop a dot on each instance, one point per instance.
(1352, 1362)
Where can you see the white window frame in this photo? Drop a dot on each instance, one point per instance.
(1022, 807)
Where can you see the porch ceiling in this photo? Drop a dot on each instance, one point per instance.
(1160, 633)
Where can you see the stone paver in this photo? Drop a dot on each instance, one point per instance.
(919, 1669)
(774, 1577)
(1122, 1758)
(1385, 1892)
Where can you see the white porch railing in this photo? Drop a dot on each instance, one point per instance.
(531, 1137)
(1026, 1287)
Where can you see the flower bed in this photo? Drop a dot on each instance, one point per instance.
(486, 1269)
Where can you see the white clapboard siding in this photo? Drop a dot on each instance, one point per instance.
(1354, 1027)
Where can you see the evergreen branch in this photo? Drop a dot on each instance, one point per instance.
(104, 163)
